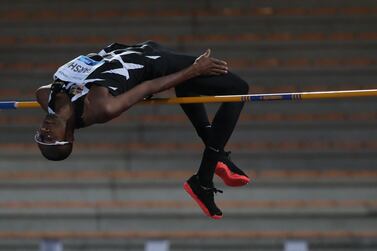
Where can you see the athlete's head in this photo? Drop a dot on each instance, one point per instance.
(52, 137)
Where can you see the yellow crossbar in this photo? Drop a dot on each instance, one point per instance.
(230, 98)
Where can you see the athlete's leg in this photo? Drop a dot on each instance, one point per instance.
(227, 115)
(195, 112)
(224, 121)
(200, 186)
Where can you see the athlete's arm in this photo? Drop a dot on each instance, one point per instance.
(42, 94)
(204, 65)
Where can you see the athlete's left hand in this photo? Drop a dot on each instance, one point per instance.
(206, 65)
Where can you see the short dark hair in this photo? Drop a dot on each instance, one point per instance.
(56, 152)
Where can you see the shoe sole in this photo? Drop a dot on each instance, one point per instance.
(230, 178)
(188, 189)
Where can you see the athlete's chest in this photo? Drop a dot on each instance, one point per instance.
(94, 106)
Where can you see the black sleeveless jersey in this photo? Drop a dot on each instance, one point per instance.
(127, 66)
(117, 67)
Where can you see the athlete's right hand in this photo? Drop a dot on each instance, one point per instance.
(205, 65)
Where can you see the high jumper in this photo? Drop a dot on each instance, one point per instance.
(99, 87)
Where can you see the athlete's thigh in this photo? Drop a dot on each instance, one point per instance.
(226, 84)
(177, 62)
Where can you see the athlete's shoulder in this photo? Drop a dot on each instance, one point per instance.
(140, 47)
(113, 47)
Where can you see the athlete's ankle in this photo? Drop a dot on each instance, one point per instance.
(213, 152)
(204, 133)
(207, 167)
(205, 181)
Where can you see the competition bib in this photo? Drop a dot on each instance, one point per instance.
(77, 70)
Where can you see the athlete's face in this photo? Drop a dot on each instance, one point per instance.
(52, 129)
(51, 140)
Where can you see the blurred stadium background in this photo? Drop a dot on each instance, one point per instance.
(313, 163)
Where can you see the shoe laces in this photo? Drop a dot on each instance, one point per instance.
(215, 190)
(212, 189)
(227, 154)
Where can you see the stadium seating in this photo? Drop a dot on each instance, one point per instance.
(312, 163)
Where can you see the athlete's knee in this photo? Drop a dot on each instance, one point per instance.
(239, 87)
(243, 87)
(235, 84)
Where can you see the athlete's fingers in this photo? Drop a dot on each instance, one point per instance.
(218, 61)
(221, 67)
(218, 71)
(219, 64)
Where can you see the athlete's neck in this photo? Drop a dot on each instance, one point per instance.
(63, 106)
(64, 109)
